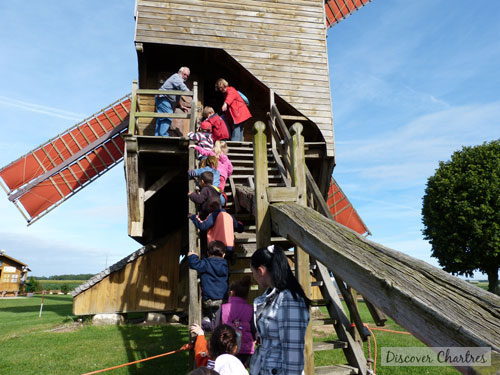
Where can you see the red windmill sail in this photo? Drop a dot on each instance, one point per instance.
(46, 176)
(343, 211)
(337, 10)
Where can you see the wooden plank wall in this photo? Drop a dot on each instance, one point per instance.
(9, 287)
(149, 283)
(282, 43)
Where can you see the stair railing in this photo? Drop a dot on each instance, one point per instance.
(137, 93)
(282, 140)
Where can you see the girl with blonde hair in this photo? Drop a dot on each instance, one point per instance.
(224, 166)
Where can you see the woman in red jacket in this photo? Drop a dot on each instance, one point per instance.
(235, 109)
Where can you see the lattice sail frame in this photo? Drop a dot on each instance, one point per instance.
(343, 211)
(53, 172)
(337, 10)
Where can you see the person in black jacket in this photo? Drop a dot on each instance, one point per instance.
(207, 191)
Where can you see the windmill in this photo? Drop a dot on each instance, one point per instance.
(263, 48)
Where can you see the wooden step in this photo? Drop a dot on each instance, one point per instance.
(244, 254)
(335, 370)
(329, 345)
(249, 271)
(249, 237)
(323, 321)
(249, 170)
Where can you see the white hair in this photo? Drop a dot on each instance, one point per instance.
(184, 68)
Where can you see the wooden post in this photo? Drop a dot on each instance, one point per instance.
(301, 257)
(262, 218)
(133, 194)
(194, 295)
(194, 103)
(133, 109)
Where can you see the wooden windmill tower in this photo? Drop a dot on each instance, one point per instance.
(275, 52)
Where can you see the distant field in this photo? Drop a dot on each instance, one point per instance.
(56, 284)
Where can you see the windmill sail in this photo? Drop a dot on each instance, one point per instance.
(337, 10)
(56, 170)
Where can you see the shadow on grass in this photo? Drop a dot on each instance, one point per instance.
(57, 304)
(147, 341)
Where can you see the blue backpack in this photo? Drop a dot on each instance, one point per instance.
(245, 99)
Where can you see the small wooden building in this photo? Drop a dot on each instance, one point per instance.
(13, 275)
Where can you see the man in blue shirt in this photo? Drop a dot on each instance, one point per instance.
(167, 103)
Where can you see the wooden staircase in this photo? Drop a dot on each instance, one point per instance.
(238, 188)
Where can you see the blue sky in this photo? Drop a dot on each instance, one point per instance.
(411, 83)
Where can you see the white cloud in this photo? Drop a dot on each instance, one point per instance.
(43, 109)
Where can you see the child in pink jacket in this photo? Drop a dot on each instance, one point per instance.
(225, 167)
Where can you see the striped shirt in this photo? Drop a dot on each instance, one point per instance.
(202, 139)
(281, 323)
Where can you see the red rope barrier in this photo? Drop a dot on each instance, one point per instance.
(183, 347)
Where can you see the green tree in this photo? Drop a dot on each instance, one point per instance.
(32, 285)
(461, 212)
(65, 288)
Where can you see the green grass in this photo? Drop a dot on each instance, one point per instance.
(384, 339)
(54, 344)
(30, 345)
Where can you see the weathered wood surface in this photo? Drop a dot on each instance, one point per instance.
(279, 42)
(302, 271)
(133, 195)
(262, 216)
(437, 308)
(245, 196)
(145, 281)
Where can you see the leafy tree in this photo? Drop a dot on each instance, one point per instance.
(65, 288)
(461, 212)
(32, 285)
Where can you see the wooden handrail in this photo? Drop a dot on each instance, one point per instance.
(312, 187)
(164, 92)
(318, 203)
(134, 114)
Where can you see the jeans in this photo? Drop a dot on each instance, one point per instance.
(163, 105)
(237, 134)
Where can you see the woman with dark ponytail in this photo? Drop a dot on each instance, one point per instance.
(281, 315)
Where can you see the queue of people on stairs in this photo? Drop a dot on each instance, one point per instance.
(228, 126)
(268, 337)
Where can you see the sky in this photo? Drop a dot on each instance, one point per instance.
(412, 82)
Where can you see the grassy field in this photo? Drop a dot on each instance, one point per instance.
(54, 344)
(57, 344)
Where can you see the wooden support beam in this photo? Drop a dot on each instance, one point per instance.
(262, 217)
(439, 309)
(301, 257)
(133, 109)
(354, 352)
(133, 198)
(282, 194)
(161, 182)
(378, 316)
